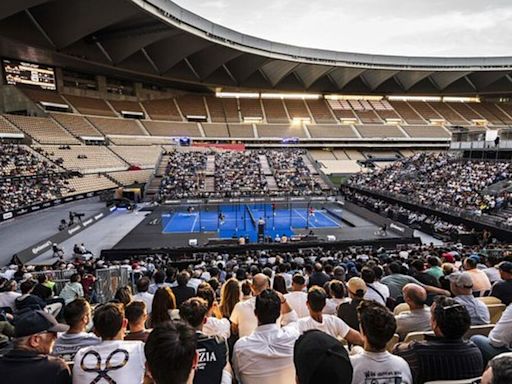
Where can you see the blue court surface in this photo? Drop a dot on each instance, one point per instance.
(242, 220)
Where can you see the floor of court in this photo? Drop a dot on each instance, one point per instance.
(242, 221)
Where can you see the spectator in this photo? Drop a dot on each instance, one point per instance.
(297, 298)
(503, 289)
(8, 295)
(329, 324)
(212, 326)
(445, 356)
(159, 278)
(143, 294)
(266, 355)
(229, 296)
(279, 284)
(213, 366)
(243, 319)
(123, 360)
(29, 360)
(124, 295)
(481, 283)
(417, 319)
(171, 353)
(136, 314)
(337, 290)
(347, 312)
(320, 358)
(376, 291)
(27, 299)
(72, 290)
(42, 288)
(419, 272)
(434, 267)
(461, 285)
(77, 315)
(377, 328)
(164, 306)
(492, 271)
(499, 371)
(182, 291)
(500, 337)
(318, 277)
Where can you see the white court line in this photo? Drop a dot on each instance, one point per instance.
(194, 224)
(303, 218)
(331, 220)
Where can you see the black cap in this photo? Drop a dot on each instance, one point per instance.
(32, 322)
(506, 266)
(320, 358)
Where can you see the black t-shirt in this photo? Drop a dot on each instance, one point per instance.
(213, 354)
(503, 291)
(30, 367)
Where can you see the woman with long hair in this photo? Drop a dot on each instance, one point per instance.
(164, 303)
(229, 296)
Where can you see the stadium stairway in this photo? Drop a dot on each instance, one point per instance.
(153, 185)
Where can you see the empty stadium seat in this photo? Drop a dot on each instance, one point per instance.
(90, 106)
(131, 177)
(250, 108)
(144, 156)
(320, 111)
(274, 111)
(125, 106)
(222, 109)
(89, 183)
(161, 128)
(98, 158)
(192, 105)
(241, 130)
(281, 130)
(297, 109)
(164, 109)
(39, 95)
(75, 124)
(408, 114)
(7, 127)
(215, 130)
(424, 131)
(495, 312)
(448, 113)
(42, 129)
(379, 131)
(116, 126)
(331, 131)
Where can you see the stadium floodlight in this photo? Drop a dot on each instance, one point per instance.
(414, 98)
(354, 97)
(291, 96)
(452, 99)
(238, 95)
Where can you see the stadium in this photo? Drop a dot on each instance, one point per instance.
(201, 205)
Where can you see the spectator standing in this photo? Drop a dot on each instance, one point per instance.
(113, 359)
(29, 360)
(375, 363)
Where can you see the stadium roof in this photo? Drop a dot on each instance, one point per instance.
(158, 41)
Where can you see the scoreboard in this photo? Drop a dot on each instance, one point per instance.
(23, 73)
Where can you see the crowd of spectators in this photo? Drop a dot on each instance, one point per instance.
(27, 179)
(442, 180)
(314, 315)
(292, 175)
(239, 174)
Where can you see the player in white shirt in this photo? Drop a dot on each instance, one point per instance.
(266, 355)
(330, 324)
(113, 360)
(297, 297)
(374, 364)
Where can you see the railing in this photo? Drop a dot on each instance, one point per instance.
(60, 277)
(468, 145)
(109, 280)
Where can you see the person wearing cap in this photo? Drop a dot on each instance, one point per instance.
(446, 355)
(347, 312)
(503, 289)
(417, 319)
(29, 361)
(378, 327)
(266, 355)
(330, 324)
(461, 285)
(319, 358)
(481, 283)
(297, 298)
(499, 339)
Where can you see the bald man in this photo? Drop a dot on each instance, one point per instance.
(418, 318)
(243, 320)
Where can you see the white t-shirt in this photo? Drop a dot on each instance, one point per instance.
(380, 368)
(332, 304)
(147, 298)
(125, 359)
(372, 295)
(217, 327)
(332, 325)
(7, 299)
(243, 315)
(297, 301)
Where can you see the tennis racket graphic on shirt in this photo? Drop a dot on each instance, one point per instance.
(103, 373)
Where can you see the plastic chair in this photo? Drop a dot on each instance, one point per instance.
(487, 300)
(483, 330)
(416, 336)
(391, 343)
(403, 307)
(495, 312)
